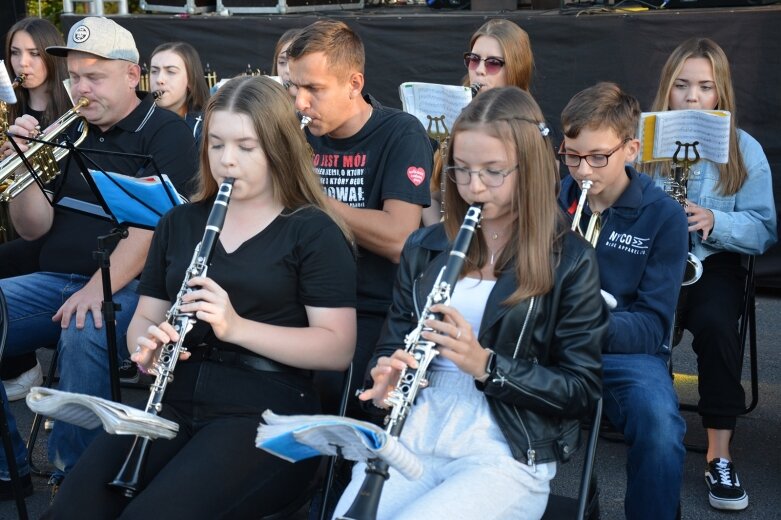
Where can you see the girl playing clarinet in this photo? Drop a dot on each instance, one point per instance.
(278, 303)
(519, 346)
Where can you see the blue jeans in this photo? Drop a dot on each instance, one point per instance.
(32, 301)
(641, 403)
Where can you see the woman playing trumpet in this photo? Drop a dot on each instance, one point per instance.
(519, 358)
(278, 303)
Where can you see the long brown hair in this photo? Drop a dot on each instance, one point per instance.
(197, 89)
(516, 47)
(733, 174)
(511, 115)
(287, 37)
(293, 179)
(43, 34)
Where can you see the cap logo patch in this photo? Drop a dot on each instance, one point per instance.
(81, 34)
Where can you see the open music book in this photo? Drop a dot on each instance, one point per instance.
(91, 412)
(298, 437)
(659, 132)
(435, 106)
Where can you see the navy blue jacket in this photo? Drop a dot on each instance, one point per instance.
(641, 253)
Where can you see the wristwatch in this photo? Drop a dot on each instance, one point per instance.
(490, 365)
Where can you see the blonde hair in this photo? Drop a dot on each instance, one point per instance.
(512, 116)
(733, 174)
(293, 179)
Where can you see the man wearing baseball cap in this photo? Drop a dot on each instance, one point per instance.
(61, 304)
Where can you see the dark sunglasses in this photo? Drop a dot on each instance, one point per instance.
(492, 64)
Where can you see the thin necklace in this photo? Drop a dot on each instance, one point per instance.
(494, 236)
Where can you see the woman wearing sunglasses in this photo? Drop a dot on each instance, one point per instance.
(500, 55)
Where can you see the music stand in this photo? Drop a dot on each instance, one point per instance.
(122, 202)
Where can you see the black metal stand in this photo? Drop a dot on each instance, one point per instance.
(106, 244)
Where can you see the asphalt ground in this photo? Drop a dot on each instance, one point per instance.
(755, 447)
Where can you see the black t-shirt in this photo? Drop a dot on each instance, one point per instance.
(148, 130)
(301, 258)
(389, 158)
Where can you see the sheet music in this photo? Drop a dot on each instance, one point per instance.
(431, 103)
(92, 412)
(7, 93)
(298, 437)
(710, 128)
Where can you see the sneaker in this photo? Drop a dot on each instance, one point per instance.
(724, 487)
(18, 387)
(128, 372)
(7, 489)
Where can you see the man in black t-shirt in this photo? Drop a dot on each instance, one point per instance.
(374, 163)
(62, 302)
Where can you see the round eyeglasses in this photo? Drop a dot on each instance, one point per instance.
(488, 176)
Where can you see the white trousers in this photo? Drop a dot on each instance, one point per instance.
(469, 471)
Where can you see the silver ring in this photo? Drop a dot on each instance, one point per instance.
(459, 334)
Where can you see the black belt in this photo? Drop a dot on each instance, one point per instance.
(237, 359)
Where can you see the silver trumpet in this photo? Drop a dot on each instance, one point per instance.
(594, 227)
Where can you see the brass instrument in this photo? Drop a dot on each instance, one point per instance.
(14, 176)
(675, 185)
(594, 227)
(4, 122)
(305, 120)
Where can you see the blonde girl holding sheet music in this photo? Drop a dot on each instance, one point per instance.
(277, 303)
(731, 214)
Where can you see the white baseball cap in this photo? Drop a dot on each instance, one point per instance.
(101, 37)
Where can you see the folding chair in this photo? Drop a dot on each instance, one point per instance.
(586, 506)
(16, 482)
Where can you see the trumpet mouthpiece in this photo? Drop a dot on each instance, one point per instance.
(305, 120)
(83, 102)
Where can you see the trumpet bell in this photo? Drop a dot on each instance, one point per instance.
(42, 157)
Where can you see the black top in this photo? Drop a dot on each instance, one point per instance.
(389, 158)
(148, 130)
(301, 258)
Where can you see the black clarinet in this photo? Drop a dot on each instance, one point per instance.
(128, 479)
(411, 381)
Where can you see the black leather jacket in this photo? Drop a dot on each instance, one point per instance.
(548, 371)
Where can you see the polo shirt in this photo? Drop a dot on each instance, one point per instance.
(147, 130)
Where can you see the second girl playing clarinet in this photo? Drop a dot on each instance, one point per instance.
(278, 302)
(519, 344)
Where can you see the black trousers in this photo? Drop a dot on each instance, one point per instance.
(710, 310)
(211, 469)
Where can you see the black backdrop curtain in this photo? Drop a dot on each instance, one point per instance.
(571, 52)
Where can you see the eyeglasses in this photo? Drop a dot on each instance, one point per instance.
(492, 64)
(488, 176)
(595, 160)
